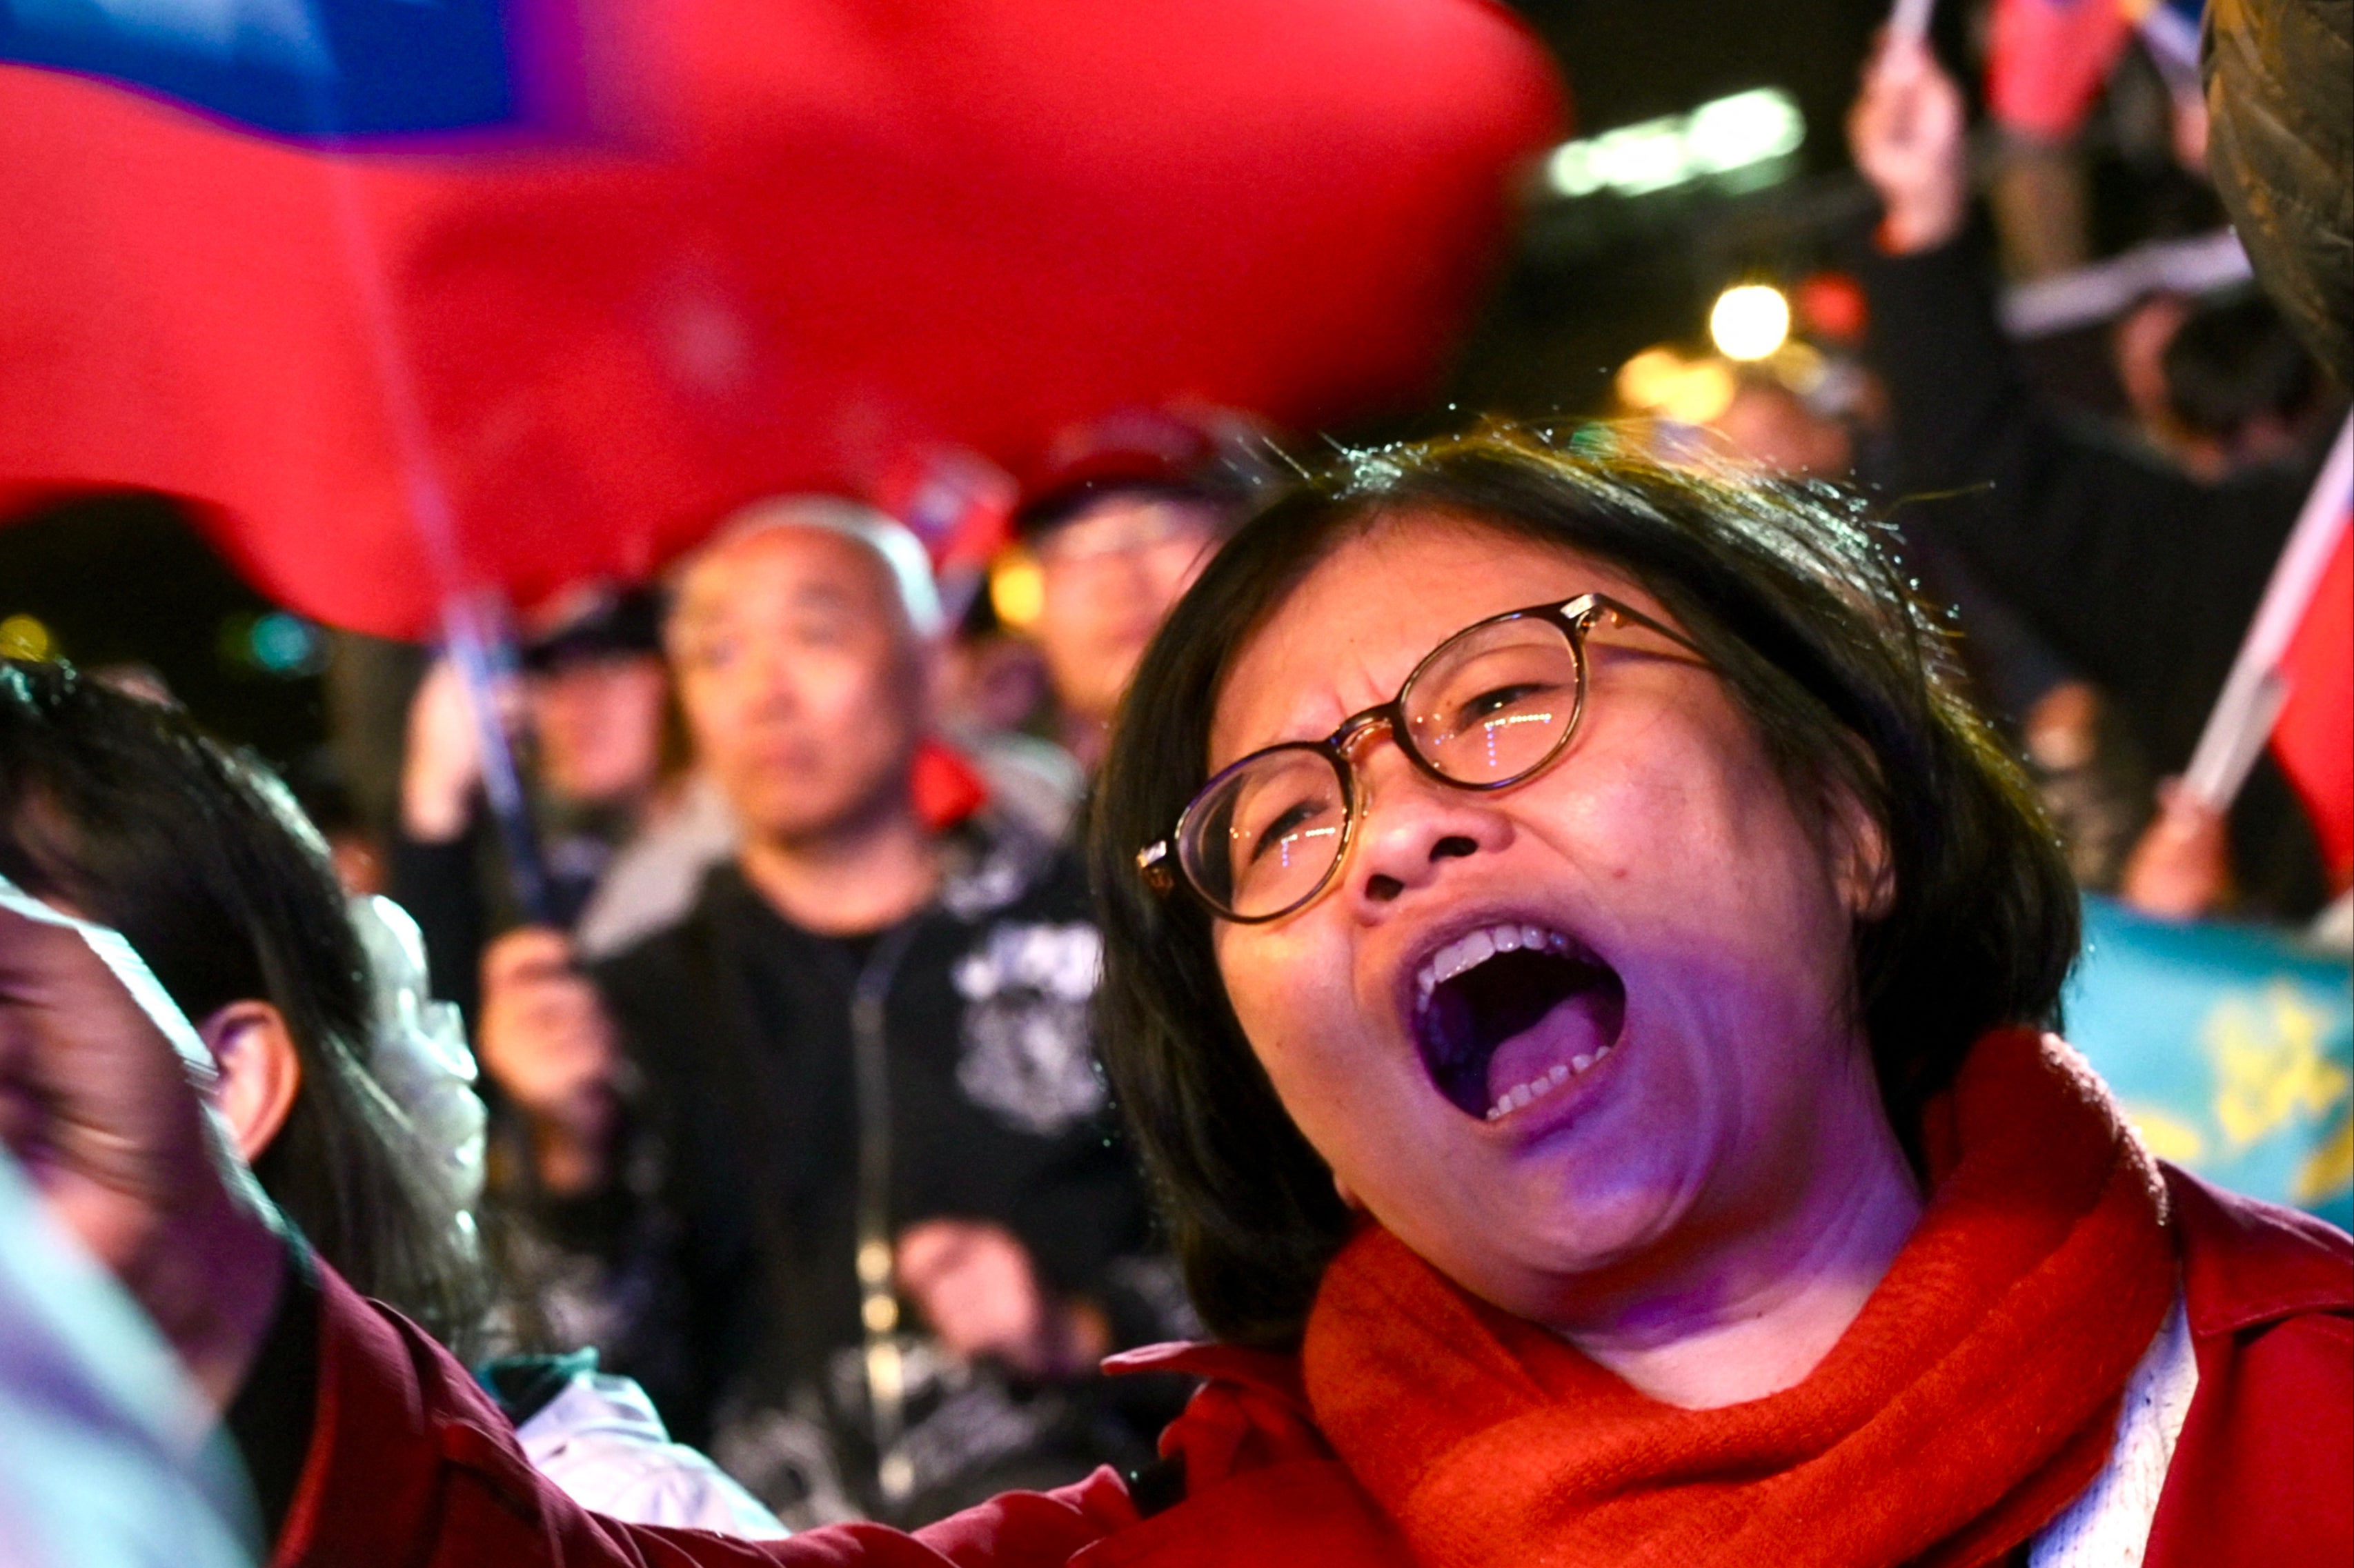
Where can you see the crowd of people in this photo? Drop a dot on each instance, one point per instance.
(1478, 1001)
(801, 1125)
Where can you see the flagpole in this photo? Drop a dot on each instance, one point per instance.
(2254, 691)
(475, 629)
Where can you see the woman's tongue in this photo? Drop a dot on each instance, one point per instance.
(1583, 1024)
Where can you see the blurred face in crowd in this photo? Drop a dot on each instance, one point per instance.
(2138, 343)
(995, 682)
(599, 724)
(801, 682)
(1109, 575)
(1774, 427)
(1649, 926)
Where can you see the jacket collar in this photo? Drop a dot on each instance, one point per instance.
(2246, 1263)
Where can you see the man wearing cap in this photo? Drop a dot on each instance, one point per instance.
(841, 1131)
(1122, 519)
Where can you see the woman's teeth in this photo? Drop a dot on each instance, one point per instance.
(1545, 1083)
(1469, 952)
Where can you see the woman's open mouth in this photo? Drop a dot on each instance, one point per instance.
(1508, 1013)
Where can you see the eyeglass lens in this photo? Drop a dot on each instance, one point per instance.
(1492, 705)
(1264, 838)
(1494, 701)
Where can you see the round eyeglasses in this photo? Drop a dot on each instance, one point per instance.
(1485, 709)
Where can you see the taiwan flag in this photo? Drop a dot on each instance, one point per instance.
(314, 68)
(2291, 686)
(2047, 60)
(2313, 740)
(408, 307)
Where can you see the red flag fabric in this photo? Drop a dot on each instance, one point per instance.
(947, 788)
(2292, 684)
(2047, 60)
(2313, 740)
(817, 235)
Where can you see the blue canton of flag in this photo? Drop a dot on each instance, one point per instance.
(295, 67)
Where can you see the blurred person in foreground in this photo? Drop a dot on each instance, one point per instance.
(1576, 966)
(2142, 576)
(107, 1463)
(347, 1092)
(838, 1135)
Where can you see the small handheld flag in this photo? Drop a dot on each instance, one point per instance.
(2292, 682)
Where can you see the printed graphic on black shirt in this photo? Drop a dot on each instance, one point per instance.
(1027, 1052)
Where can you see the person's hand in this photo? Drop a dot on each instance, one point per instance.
(977, 1288)
(2180, 869)
(442, 764)
(1907, 132)
(546, 1040)
(97, 1107)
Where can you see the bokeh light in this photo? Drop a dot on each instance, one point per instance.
(1749, 320)
(1663, 383)
(272, 644)
(285, 644)
(22, 637)
(1750, 133)
(1017, 590)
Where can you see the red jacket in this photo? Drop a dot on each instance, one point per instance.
(409, 1465)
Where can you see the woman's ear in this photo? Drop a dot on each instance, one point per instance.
(1867, 875)
(259, 1071)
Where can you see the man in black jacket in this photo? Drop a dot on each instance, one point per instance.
(841, 1135)
(2141, 577)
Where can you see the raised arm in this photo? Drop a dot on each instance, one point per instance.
(2140, 576)
(1963, 410)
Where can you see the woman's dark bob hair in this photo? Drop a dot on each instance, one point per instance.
(1800, 605)
(125, 809)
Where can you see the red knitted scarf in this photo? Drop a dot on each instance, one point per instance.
(1974, 1397)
